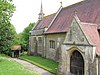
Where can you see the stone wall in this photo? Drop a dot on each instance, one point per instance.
(86, 51)
(63, 62)
(40, 47)
(36, 46)
(92, 68)
(50, 52)
(31, 45)
(98, 65)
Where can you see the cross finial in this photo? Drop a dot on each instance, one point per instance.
(61, 3)
(75, 11)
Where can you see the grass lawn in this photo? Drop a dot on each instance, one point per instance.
(9, 67)
(46, 64)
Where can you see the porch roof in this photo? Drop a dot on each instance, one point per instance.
(16, 47)
(92, 34)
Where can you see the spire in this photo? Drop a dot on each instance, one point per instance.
(41, 14)
(41, 10)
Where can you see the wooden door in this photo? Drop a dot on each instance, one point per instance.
(76, 64)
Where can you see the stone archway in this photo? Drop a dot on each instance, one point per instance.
(76, 63)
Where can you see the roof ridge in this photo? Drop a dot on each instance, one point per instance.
(57, 13)
(47, 16)
(73, 4)
(42, 20)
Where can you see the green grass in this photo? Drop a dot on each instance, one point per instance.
(46, 64)
(9, 67)
(3, 55)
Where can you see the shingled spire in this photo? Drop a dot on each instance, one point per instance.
(41, 14)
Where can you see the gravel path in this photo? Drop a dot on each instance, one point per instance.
(32, 67)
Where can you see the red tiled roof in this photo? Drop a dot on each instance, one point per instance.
(44, 22)
(92, 34)
(87, 11)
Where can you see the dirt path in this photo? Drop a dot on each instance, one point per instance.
(32, 67)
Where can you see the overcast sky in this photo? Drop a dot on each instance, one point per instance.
(27, 11)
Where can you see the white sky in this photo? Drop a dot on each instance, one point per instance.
(27, 11)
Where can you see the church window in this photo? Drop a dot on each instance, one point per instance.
(52, 44)
(70, 35)
(70, 39)
(40, 39)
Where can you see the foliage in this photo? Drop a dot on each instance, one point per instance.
(22, 38)
(25, 33)
(3, 55)
(46, 64)
(9, 67)
(25, 36)
(7, 31)
(24, 53)
(18, 39)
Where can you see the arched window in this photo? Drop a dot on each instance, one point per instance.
(76, 64)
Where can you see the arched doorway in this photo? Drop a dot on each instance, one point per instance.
(76, 63)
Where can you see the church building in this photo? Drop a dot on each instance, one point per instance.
(71, 37)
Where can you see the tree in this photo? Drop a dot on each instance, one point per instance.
(7, 30)
(22, 38)
(17, 39)
(25, 35)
